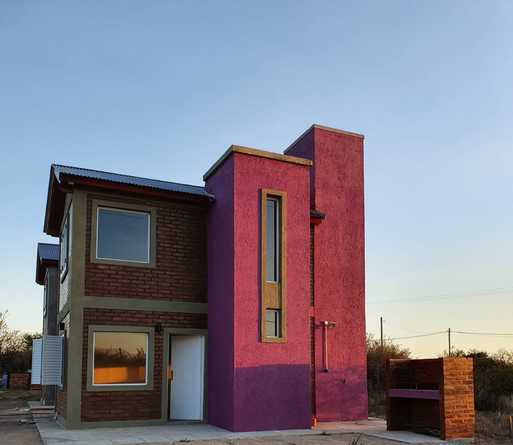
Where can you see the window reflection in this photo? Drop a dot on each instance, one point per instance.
(120, 358)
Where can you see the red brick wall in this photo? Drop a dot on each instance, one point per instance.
(458, 398)
(19, 381)
(130, 405)
(181, 268)
(61, 403)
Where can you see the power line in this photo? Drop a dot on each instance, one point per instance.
(429, 334)
(503, 334)
(419, 335)
(445, 296)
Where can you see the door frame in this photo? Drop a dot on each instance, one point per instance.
(167, 333)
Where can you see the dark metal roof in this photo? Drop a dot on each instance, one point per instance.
(48, 252)
(47, 256)
(131, 180)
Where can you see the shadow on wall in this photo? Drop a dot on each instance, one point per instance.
(272, 397)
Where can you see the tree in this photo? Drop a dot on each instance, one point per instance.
(27, 339)
(15, 348)
(10, 340)
(376, 359)
(493, 379)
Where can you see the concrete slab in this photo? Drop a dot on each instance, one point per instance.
(53, 434)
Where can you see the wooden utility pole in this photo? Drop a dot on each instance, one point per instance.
(449, 338)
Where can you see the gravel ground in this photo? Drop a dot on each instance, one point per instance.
(16, 426)
(321, 439)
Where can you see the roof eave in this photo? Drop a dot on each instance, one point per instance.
(74, 181)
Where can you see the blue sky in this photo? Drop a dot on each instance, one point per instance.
(160, 89)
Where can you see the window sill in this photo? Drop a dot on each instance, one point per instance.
(110, 388)
(124, 263)
(273, 340)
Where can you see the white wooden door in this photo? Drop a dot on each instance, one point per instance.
(186, 389)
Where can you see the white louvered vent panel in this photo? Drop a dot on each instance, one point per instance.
(37, 346)
(52, 360)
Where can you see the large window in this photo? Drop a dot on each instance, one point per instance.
(273, 220)
(122, 235)
(120, 358)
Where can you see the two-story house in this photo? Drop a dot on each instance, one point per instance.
(240, 303)
(47, 275)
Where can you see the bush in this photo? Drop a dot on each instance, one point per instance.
(493, 380)
(376, 359)
(15, 348)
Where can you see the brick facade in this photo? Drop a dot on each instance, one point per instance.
(19, 380)
(180, 272)
(131, 405)
(61, 403)
(458, 398)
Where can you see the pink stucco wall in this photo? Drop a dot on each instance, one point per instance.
(270, 380)
(339, 268)
(261, 386)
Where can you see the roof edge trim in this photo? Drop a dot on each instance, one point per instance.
(258, 153)
(322, 127)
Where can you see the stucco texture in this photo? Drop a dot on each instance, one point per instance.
(339, 270)
(270, 380)
(220, 234)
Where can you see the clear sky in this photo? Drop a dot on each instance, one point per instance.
(161, 89)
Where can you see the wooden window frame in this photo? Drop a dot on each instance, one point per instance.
(273, 294)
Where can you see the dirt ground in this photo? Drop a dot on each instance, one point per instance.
(320, 439)
(16, 426)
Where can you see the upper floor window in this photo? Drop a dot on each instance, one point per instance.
(122, 235)
(272, 251)
(64, 243)
(45, 295)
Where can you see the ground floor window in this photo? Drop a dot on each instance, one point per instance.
(120, 357)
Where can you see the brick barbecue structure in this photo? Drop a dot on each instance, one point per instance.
(431, 395)
(240, 303)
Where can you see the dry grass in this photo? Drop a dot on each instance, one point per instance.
(492, 428)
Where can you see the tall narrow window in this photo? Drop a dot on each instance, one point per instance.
(272, 239)
(273, 271)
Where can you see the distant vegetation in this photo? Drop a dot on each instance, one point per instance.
(376, 358)
(15, 348)
(493, 376)
(493, 379)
